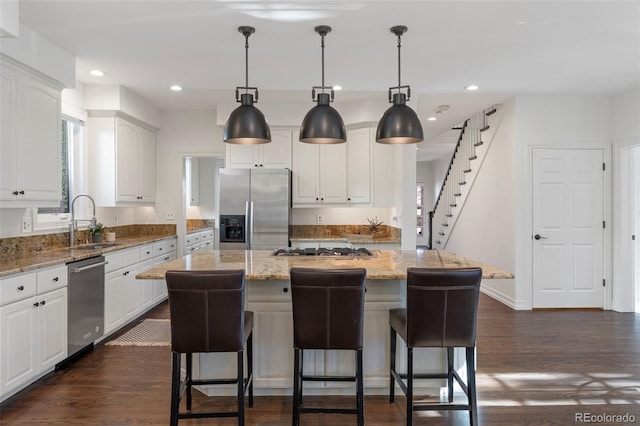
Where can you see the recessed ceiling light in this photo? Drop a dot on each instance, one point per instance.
(522, 22)
(337, 87)
(176, 88)
(97, 73)
(432, 118)
(472, 87)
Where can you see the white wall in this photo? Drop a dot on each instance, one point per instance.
(343, 216)
(626, 198)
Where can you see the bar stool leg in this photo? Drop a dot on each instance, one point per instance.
(360, 388)
(175, 388)
(188, 378)
(392, 359)
(296, 385)
(450, 373)
(471, 386)
(240, 401)
(250, 367)
(409, 386)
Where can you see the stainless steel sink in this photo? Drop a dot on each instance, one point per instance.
(96, 246)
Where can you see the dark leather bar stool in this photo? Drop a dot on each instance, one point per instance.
(328, 312)
(441, 312)
(207, 315)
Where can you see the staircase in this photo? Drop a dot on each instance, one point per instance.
(473, 144)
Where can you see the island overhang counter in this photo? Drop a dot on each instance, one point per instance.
(268, 295)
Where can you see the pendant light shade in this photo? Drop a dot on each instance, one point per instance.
(399, 124)
(323, 124)
(246, 124)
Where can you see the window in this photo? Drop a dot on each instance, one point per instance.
(58, 217)
(420, 209)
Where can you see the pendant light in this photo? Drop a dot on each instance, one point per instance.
(323, 124)
(399, 124)
(246, 124)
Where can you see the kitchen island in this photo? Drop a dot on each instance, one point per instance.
(268, 295)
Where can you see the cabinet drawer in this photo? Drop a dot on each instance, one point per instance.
(146, 252)
(159, 248)
(172, 245)
(51, 279)
(121, 259)
(17, 287)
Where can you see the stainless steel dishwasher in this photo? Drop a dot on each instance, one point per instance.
(85, 310)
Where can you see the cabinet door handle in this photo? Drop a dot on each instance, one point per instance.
(21, 288)
(15, 192)
(285, 290)
(255, 165)
(43, 302)
(321, 199)
(316, 198)
(21, 192)
(348, 199)
(36, 304)
(55, 279)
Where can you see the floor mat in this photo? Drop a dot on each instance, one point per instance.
(150, 332)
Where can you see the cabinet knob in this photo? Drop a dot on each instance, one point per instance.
(321, 199)
(43, 302)
(21, 192)
(316, 198)
(260, 165)
(285, 290)
(15, 192)
(36, 304)
(21, 288)
(348, 199)
(255, 165)
(55, 279)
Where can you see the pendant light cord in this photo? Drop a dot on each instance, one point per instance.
(246, 62)
(399, 45)
(322, 47)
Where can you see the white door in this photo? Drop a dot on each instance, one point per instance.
(568, 234)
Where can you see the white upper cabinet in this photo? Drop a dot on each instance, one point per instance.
(274, 155)
(30, 139)
(319, 174)
(122, 162)
(359, 165)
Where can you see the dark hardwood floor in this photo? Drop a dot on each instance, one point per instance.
(534, 368)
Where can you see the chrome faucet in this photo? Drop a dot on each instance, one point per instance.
(73, 226)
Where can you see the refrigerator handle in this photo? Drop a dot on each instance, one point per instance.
(248, 214)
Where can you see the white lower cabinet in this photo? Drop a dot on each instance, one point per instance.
(146, 287)
(273, 338)
(33, 329)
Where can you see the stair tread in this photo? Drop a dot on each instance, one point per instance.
(490, 112)
(485, 128)
(478, 143)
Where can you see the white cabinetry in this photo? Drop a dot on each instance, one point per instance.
(122, 158)
(164, 251)
(30, 139)
(121, 290)
(33, 326)
(359, 165)
(192, 165)
(199, 240)
(319, 174)
(276, 154)
(385, 164)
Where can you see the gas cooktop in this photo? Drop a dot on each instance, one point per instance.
(324, 252)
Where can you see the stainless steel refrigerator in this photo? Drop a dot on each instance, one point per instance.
(254, 208)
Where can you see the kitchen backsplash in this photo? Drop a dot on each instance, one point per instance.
(336, 231)
(15, 246)
(197, 224)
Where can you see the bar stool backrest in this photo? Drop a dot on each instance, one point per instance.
(207, 310)
(328, 308)
(442, 307)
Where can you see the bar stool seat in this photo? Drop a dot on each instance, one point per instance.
(328, 313)
(207, 315)
(442, 307)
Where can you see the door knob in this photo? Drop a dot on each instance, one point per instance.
(539, 237)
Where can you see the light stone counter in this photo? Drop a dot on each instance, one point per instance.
(260, 265)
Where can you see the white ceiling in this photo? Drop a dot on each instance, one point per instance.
(506, 47)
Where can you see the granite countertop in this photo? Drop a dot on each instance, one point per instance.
(192, 230)
(259, 265)
(364, 239)
(10, 265)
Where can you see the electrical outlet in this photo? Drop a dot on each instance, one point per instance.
(318, 218)
(115, 219)
(26, 224)
(171, 216)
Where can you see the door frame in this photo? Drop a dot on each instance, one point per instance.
(527, 236)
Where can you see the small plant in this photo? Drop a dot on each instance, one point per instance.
(97, 229)
(374, 224)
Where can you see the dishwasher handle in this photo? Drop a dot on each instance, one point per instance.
(94, 265)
